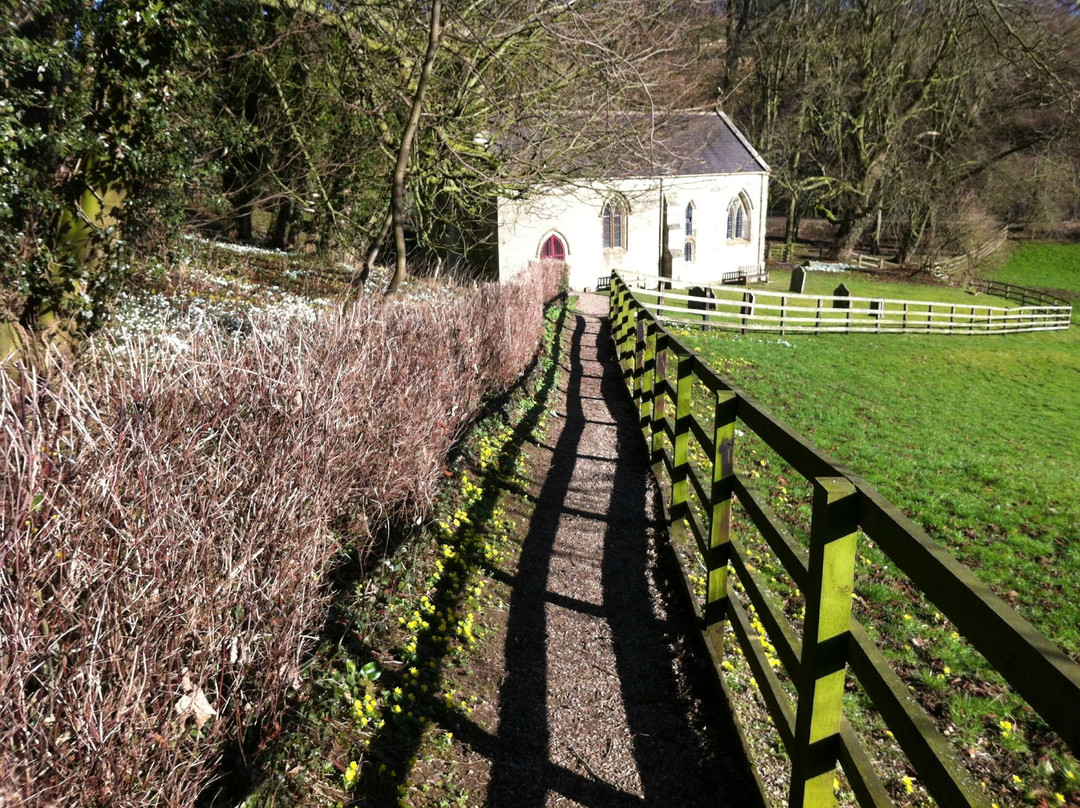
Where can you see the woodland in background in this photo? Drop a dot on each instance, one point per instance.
(353, 127)
(928, 125)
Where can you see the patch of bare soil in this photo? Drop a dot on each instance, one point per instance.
(590, 693)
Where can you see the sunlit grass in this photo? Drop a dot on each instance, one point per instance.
(974, 438)
(1049, 266)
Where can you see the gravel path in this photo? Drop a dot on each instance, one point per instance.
(598, 703)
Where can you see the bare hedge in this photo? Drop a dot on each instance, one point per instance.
(168, 521)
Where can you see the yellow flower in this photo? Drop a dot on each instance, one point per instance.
(350, 774)
(1017, 780)
(908, 786)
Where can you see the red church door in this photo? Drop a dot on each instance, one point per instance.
(553, 248)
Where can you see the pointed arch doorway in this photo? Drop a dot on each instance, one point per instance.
(553, 248)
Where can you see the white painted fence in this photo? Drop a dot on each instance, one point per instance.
(789, 313)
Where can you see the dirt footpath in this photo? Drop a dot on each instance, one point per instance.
(600, 701)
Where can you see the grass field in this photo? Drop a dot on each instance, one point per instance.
(1049, 266)
(975, 438)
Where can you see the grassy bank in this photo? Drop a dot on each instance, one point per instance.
(1043, 265)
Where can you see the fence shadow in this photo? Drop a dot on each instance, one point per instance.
(670, 765)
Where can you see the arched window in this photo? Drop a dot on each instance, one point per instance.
(614, 217)
(688, 251)
(738, 220)
(690, 219)
(553, 248)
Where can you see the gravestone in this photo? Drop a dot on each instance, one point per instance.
(704, 306)
(877, 308)
(841, 291)
(798, 281)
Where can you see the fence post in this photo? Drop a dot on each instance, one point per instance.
(618, 305)
(639, 359)
(720, 517)
(618, 311)
(833, 534)
(783, 313)
(659, 409)
(681, 460)
(625, 338)
(648, 378)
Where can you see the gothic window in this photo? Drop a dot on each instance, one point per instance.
(738, 220)
(614, 218)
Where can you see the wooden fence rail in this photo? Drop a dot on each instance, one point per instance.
(663, 375)
(790, 313)
(1023, 295)
(942, 268)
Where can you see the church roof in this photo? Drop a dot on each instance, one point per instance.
(624, 145)
(704, 143)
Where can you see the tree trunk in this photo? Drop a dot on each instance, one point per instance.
(397, 195)
(279, 232)
(850, 230)
(791, 227)
(913, 235)
(376, 246)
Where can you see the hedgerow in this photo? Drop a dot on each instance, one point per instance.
(169, 520)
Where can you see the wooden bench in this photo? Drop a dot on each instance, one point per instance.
(745, 275)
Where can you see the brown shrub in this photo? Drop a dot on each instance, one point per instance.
(167, 524)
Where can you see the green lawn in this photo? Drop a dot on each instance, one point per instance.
(1048, 266)
(974, 437)
(977, 440)
(862, 284)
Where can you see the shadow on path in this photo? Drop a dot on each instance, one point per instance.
(591, 710)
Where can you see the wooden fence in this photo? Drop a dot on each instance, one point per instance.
(663, 375)
(1023, 295)
(942, 268)
(790, 313)
(948, 266)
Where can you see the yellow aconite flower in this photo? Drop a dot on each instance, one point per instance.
(350, 774)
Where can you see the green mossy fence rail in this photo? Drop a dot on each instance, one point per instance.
(661, 374)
